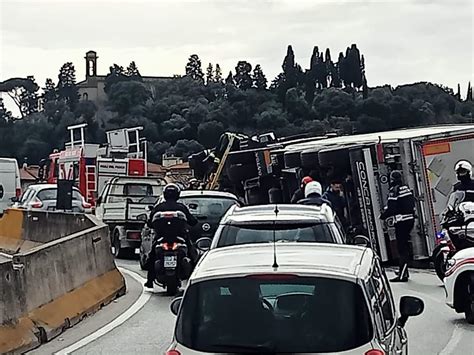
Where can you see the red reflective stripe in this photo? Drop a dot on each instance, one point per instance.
(457, 266)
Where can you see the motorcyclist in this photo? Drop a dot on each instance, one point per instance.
(299, 194)
(464, 174)
(313, 195)
(401, 206)
(171, 194)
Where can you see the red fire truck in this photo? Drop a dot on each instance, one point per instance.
(90, 166)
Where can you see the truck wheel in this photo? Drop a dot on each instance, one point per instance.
(119, 252)
(469, 312)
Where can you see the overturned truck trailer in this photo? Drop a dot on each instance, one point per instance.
(426, 156)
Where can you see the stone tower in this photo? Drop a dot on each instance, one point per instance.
(91, 64)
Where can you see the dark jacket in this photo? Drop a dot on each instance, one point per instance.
(337, 201)
(466, 186)
(297, 196)
(314, 200)
(168, 206)
(401, 204)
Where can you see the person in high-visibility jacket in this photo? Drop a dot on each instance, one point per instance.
(401, 206)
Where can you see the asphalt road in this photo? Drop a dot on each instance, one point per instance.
(439, 330)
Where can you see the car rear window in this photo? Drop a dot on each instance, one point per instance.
(138, 190)
(208, 206)
(263, 233)
(50, 194)
(285, 314)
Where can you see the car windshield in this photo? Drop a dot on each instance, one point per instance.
(278, 313)
(138, 190)
(263, 233)
(207, 206)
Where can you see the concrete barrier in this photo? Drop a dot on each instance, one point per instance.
(52, 285)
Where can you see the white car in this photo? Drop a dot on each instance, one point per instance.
(304, 298)
(10, 185)
(459, 283)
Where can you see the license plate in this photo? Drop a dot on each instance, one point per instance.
(170, 261)
(137, 250)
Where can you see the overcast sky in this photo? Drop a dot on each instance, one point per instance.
(403, 41)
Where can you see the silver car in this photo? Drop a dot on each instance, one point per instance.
(42, 197)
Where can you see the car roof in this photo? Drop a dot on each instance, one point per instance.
(122, 180)
(303, 259)
(207, 193)
(286, 213)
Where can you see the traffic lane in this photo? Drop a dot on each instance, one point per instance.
(439, 329)
(98, 320)
(149, 331)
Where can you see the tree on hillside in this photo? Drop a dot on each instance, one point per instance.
(17, 88)
(242, 77)
(49, 91)
(132, 72)
(66, 88)
(193, 68)
(5, 115)
(469, 92)
(116, 75)
(259, 79)
(124, 96)
(218, 78)
(184, 148)
(289, 68)
(209, 74)
(29, 99)
(230, 79)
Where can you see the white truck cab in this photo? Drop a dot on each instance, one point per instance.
(10, 184)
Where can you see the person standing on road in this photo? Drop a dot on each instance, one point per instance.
(464, 174)
(401, 206)
(335, 195)
(312, 193)
(299, 194)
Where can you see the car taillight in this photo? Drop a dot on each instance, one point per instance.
(169, 246)
(173, 352)
(18, 193)
(133, 235)
(375, 352)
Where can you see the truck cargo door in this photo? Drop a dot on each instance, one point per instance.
(367, 195)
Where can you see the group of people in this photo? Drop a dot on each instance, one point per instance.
(400, 206)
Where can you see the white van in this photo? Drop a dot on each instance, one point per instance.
(10, 184)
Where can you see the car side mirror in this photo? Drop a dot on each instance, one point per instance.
(361, 240)
(175, 304)
(410, 307)
(150, 207)
(98, 201)
(204, 243)
(142, 217)
(14, 199)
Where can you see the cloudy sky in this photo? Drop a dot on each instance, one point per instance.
(403, 41)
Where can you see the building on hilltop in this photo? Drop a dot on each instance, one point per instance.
(92, 88)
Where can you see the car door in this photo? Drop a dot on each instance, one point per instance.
(384, 310)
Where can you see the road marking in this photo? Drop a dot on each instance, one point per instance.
(453, 341)
(134, 308)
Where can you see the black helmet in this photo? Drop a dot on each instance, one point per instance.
(171, 192)
(395, 177)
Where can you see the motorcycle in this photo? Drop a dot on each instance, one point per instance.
(454, 235)
(172, 264)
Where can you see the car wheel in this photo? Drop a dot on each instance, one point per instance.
(469, 312)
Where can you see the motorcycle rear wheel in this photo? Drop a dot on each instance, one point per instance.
(440, 265)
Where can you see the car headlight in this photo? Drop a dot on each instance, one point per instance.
(450, 264)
